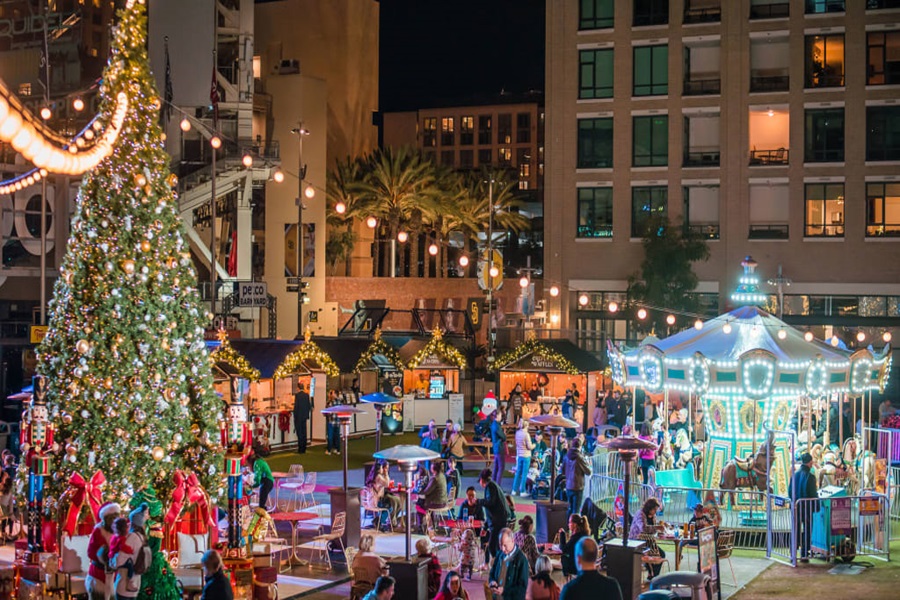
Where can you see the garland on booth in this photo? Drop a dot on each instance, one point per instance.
(379, 346)
(308, 351)
(225, 353)
(439, 347)
(534, 346)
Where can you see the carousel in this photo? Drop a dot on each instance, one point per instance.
(755, 376)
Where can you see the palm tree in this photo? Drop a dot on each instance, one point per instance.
(343, 188)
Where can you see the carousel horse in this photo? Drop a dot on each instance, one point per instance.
(836, 472)
(866, 468)
(665, 460)
(749, 473)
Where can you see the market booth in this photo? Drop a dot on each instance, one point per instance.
(380, 368)
(431, 381)
(554, 365)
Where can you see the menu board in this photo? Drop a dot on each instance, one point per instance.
(708, 557)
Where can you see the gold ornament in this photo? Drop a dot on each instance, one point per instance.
(158, 453)
(83, 346)
(173, 180)
(128, 266)
(195, 429)
(67, 418)
(71, 450)
(140, 180)
(145, 246)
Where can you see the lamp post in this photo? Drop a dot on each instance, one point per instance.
(490, 245)
(550, 517)
(379, 400)
(346, 499)
(300, 132)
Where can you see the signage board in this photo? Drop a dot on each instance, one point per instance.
(869, 507)
(840, 516)
(252, 293)
(37, 333)
(708, 557)
(456, 408)
(485, 261)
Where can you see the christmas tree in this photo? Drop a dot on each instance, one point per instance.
(130, 384)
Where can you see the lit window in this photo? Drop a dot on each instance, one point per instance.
(824, 61)
(595, 213)
(595, 73)
(595, 14)
(447, 131)
(883, 53)
(650, 141)
(24, 89)
(648, 202)
(595, 143)
(883, 210)
(429, 127)
(651, 70)
(824, 210)
(257, 67)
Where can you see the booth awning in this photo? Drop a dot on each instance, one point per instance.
(436, 353)
(549, 356)
(265, 355)
(344, 351)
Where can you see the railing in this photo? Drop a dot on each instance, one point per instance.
(778, 156)
(658, 16)
(708, 231)
(769, 232)
(883, 152)
(769, 83)
(780, 545)
(594, 231)
(775, 10)
(700, 14)
(826, 155)
(893, 491)
(823, 6)
(841, 528)
(700, 87)
(825, 80)
(880, 4)
(824, 231)
(702, 158)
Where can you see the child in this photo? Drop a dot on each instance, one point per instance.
(534, 472)
(116, 545)
(466, 554)
(423, 547)
(262, 475)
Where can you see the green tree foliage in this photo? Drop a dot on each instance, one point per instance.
(666, 277)
(125, 356)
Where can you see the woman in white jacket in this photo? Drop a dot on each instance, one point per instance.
(129, 587)
(524, 446)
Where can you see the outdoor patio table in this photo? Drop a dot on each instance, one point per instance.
(293, 519)
(680, 543)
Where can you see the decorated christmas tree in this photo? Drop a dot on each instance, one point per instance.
(130, 384)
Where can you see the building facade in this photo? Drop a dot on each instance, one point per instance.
(735, 119)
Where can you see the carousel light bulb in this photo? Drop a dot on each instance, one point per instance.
(247, 160)
(583, 299)
(726, 328)
(642, 313)
(215, 142)
(185, 125)
(46, 113)
(309, 192)
(670, 320)
(808, 336)
(523, 282)
(493, 271)
(402, 237)
(78, 104)
(613, 307)
(464, 261)
(371, 222)
(278, 176)
(860, 337)
(340, 208)
(698, 324)
(782, 333)
(433, 249)
(554, 290)
(886, 336)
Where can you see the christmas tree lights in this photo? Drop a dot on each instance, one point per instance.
(226, 353)
(437, 346)
(308, 352)
(533, 346)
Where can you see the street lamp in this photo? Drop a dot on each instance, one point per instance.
(300, 131)
(344, 414)
(379, 400)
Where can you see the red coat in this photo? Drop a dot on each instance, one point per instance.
(99, 538)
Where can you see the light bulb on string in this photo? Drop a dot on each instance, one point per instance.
(886, 336)
(278, 176)
(808, 336)
(493, 271)
(309, 192)
(698, 324)
(554, 319)
(340, 208)
(247, 160)
(860, 337)
(402, 237)
(583, 299)
(46, 113)
(726, 328)
(523, 282)
(670, 320)
(185, 125)
(78, 104)
(464, 261)
(782, 333)
(554, 290)
(371, 222)
(215, 142)
(613, 306)
(433, 249)
(642, 313)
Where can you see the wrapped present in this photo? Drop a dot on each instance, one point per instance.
(21, 547)
(265, 591)
(49, 562)
(30, 589)
(55, 581)
(31, 572)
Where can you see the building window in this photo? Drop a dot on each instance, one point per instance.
(883, 54)
(504, 129)
(595, 143)
(701, 209)
(883, 210)
(595, 213)
(647, 202)
(24, 89)
(485, 132)
(824, 214)
(447, 131)
(485, 157)
(770, 9)
(447, 158)
(595, 14)
(466, 159)
(466, 131)
(595, 73)
(504, 156)
(769, 210)
(650, 144)
(825, 61)
(702, 11)
(881, 4)
(824, 135)
(429, 129)
(523, 162)
(823, 6)
(651, 70)
(523, 128)
(651, 12)
(883, 133)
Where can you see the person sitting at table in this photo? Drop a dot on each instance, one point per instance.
(379, 484)
(644, 527)
(421, 480)
(526, 541)
(534, 473)
(367, 566)
(699, 521)
(435, 493)
(453, 477)
(470, 507)
(578, 528)
(541, 586)
(456, 446)
(445, 436)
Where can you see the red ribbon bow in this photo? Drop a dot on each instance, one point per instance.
(178, 495)
(196, 495)
(81, 490)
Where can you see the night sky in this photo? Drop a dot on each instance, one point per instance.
(439, 52)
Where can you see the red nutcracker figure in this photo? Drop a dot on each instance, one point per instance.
(236, 439)
(36, 441)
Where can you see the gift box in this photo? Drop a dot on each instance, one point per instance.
(21, 546)
(49, 561)
(32, 572)
(265, 591)
(55, 581)
(30, 589)
(243, 576)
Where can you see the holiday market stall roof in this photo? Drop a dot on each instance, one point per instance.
(549, 356)
(435, 353)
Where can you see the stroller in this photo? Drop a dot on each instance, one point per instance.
(603, 528)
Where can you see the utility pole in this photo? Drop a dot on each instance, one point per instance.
(780, 283)
(45, 64)
(214, 142)
(300, 131)
(490, 261)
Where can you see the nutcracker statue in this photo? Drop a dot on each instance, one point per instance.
(236, 439)
(36, 441)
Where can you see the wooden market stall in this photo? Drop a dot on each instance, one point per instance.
(431, 381)
(554, 365)
(380, 368)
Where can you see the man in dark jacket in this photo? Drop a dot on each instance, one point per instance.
(216, 586)
(495, 511)
(803, 485)
(302, 408)
(590, 584)
(510, 571)
(575, 467)
(832, 425)
(498, 442)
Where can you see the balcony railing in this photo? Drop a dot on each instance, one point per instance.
(708, 231)
(825, 154)
(777, 156)
(775, 10)
(880, 4)
(702, 14)
(694, 157)
(658, 16)
(823, 6)
(769, 83)
(701, 87)
(835, 230)
(595, 231)
(824, 79)
(778, 231)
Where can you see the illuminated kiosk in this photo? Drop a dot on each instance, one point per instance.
(431, 379)
(750, 370)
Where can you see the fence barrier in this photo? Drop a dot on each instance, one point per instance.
(841, 528)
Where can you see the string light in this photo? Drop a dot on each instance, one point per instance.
(726, 328)
(185, 125)
(782, 333)
(278, 176)
(402, 237)
(226, 353)
(534, 346)
(613, 307)
(309, 192)
(340, 208)
(698, 324)
(554, 290)
(670, 320)
(861, 337)
(46, 113)
(493, 271)
(78, 104)
(523, 282)
(886, 336)
(216, 142)
(433, 249)
(554, 319)
(371, 222)
(381, 348)
(835, 341)
(437, 346)
(583, 299)
(642, 313)
(464, 261)
(247, 161)
(808, 336)
(308, 354)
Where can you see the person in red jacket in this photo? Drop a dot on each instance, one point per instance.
(99, 576)
(423, 547)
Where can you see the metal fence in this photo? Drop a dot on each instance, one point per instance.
(780, 543)
(893, 496)
(605, 489)
(841, 528)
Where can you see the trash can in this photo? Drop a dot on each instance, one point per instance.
(698, 583)
(658, 595)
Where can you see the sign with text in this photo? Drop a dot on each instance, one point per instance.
(253, 293)
(707, 555)
(534, 362)
(840, 516)
(474, 306)
(869, 507)
(37, 333)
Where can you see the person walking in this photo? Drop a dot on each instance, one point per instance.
(803, 485)
(590, 584)
(302, 409)
(216, 585)
(498, 442)
(495, 511)
(524, 446)
(575, 467)
(508, 579)
(516, 400)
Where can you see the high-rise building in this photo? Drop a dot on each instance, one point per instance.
(735, 119)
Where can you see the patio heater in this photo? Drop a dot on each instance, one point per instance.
(379, 400)
(624, 556)
(411, 574)
(550, 515)
(346, 499)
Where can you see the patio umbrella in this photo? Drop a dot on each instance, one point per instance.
(626, 446)
(379, 400)
(407, 457)
(344, 413)
(554, 425)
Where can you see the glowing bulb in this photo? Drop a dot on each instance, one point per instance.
(834, 341)
(402, 237)
(886, 336)
(698, 324)
(808, 336)
(860, 337)
(726, 328)
(771, 113)
(782, 334)
(247, 160)
(583, 299)
(670, 319)
(215, 142)
(309, 192)
(278, 176)
(371, 222)
(433, 249)
(613, 307)
(493, 271)
(185, 125)
(340, 208)
(46, 113)
(642, 313)
(554, 319)
(464, 261)
(523, 282)
(554, 291)
(78, 104)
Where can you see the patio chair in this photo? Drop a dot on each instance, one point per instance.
(369, 505)
(652, 556)
(321, 542)
(307, 491)
(439, 516)
(451, 540)
(724, 548)
(288, 489)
